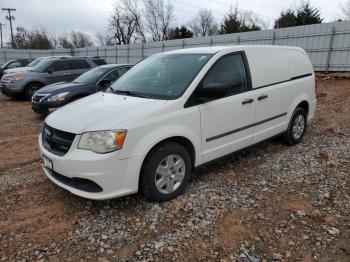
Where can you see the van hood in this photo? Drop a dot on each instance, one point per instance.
(101, 111)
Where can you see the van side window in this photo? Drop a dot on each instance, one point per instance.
(229, 71)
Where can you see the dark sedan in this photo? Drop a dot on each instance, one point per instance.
(51, 97)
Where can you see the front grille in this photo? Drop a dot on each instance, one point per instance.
(37, 98)
(56, 141)
(4, 82)
(76, 182)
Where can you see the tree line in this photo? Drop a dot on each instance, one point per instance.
(135, 21)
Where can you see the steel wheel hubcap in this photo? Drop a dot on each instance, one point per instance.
(298, 126)
(170, 174)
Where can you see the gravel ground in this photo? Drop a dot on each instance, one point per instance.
(270, 202)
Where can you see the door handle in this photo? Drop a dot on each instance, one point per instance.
(247, 101)
(67, 74)
(262, 97)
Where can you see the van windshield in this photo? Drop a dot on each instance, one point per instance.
(164, 76)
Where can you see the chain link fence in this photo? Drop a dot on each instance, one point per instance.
(328, 46)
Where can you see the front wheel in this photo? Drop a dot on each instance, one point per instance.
(296, 127)
(165, 172)
(31, 89)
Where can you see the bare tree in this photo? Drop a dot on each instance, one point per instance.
(159, 15)
(64, 42)
(74, 39)
(345, 8)
(204, 24)
(104, 39)
(252, 19)
(80, 39)
(125, 23)
(32, 39)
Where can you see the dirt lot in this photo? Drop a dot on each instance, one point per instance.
(269, 202)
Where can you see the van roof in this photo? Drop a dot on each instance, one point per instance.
(233, 48)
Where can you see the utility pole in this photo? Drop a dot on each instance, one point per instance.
(2, 46)
(10, 18)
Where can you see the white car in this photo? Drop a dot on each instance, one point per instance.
(173, 112)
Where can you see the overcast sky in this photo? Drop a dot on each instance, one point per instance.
(90, 16)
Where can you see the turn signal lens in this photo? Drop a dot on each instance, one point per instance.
(119, 138)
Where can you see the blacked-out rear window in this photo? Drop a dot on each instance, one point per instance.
(79, 64)
(99, 62)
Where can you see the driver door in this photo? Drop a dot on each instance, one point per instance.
(58, 72)
(226, 122)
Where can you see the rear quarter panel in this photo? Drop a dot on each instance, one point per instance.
(300, 65)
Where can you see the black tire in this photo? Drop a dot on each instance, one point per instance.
(155, 158)
(30, 89)
(291, 138)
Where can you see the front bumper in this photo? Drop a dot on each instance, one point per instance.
(44, 108)
(12, 89)
(40, 108)
(116, 177)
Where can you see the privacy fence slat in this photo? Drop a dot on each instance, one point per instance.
(328, 46)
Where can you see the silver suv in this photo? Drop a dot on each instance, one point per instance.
(46, 72)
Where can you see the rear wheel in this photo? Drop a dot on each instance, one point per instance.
(165, 172)
(31, 89)
(296, 127)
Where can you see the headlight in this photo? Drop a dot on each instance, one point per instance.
(16, 78)
(58, 97)
(102, 141)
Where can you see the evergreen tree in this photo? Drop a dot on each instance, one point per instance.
(286, 19)
(234, 22)
(179, 33)
(231, 23)
(307, 15)
(303, 15)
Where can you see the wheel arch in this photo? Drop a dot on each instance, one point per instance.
(302, 101)
(185, 142)
(34, 82)
(25, 89)
(304, 105)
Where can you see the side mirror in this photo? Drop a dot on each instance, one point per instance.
(104, 83)
(49, 71)
(212, 91)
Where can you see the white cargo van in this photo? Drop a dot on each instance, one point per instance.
(173, 112)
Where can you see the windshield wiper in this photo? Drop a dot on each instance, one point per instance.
(129, 93)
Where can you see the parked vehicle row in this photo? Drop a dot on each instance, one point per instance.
(29, 66)
(51, 97)
(16, 63)
(45, 72)
(172, 113)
